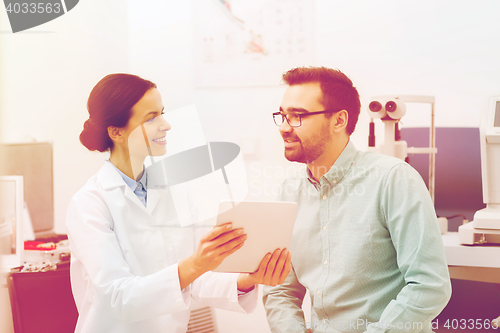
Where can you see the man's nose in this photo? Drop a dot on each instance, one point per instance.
(285, 127)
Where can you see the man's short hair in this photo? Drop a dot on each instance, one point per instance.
(337, 88)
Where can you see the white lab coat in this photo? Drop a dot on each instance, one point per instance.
(124, 274)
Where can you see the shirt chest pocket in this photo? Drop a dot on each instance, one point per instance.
(352, 248)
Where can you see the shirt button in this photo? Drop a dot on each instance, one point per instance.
(138, 186)
(325, 262)
(325, 228)
(334, 181)
(324, 321)
(318, 292)
(325, 197)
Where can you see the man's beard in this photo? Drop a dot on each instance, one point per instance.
(310, 150)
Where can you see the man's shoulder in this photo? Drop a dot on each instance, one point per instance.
(369, 159)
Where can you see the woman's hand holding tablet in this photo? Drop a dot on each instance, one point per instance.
(272, 271)
(213, 248)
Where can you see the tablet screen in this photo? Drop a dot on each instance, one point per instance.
(268, 225)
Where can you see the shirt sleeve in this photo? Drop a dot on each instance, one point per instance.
(101, 274)
(412, 223)
(283, 304)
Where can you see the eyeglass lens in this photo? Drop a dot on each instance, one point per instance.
(292, 119)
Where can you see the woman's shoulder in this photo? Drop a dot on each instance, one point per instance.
(88, 201)
(91, 187)
(88, 198)
(107, 177)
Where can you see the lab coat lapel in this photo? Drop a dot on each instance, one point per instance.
(110, 179)
(157, 185)
(153, 199)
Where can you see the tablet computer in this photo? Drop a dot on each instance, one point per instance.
(268, 225)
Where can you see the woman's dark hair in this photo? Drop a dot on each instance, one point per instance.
(110, 104)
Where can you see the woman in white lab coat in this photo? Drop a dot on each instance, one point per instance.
(133, 268)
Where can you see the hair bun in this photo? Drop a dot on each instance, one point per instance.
(92, 137)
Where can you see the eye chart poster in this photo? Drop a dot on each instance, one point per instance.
(251, 42)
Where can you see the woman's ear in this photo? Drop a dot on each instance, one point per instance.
(115, 134)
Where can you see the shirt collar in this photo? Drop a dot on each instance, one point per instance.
(339, 169)
(129, 181)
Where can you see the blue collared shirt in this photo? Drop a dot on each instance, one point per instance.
(366, 245)
(140, 187)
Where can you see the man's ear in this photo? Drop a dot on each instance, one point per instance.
(340, 120)
(115, 134)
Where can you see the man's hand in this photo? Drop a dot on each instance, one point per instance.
(213, 248)
(272, 271)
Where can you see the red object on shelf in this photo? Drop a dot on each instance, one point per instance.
(39, 246)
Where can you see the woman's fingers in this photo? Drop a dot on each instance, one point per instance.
(259, 274)
(219, 236)
(268, 276)
(278, 269)
(227, 237)
(287, 267)
(274, 268)
(217, 231)
(231, 246)
(217, 244)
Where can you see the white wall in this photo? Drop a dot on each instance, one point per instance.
(47, 74)
(442, 48)
(448, 49)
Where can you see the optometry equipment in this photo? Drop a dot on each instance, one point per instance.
(390, 109)
(485, 227)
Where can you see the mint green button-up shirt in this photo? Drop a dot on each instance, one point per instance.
(366, 245)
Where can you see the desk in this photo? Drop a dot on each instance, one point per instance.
(6, 325)
(471, 262)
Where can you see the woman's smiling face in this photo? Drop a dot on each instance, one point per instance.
(146, 128)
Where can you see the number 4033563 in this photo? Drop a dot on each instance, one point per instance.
(471, 324)
(33, 8)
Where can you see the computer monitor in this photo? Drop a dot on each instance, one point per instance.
(33, 161)
(11, 214)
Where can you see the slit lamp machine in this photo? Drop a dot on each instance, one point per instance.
(390, 109)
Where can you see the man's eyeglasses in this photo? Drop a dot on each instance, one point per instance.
(295, 119)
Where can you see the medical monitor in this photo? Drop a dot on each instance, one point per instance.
(497, 114)
(490, 152)
(11, 214)
(34, 162)
(489, 218)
